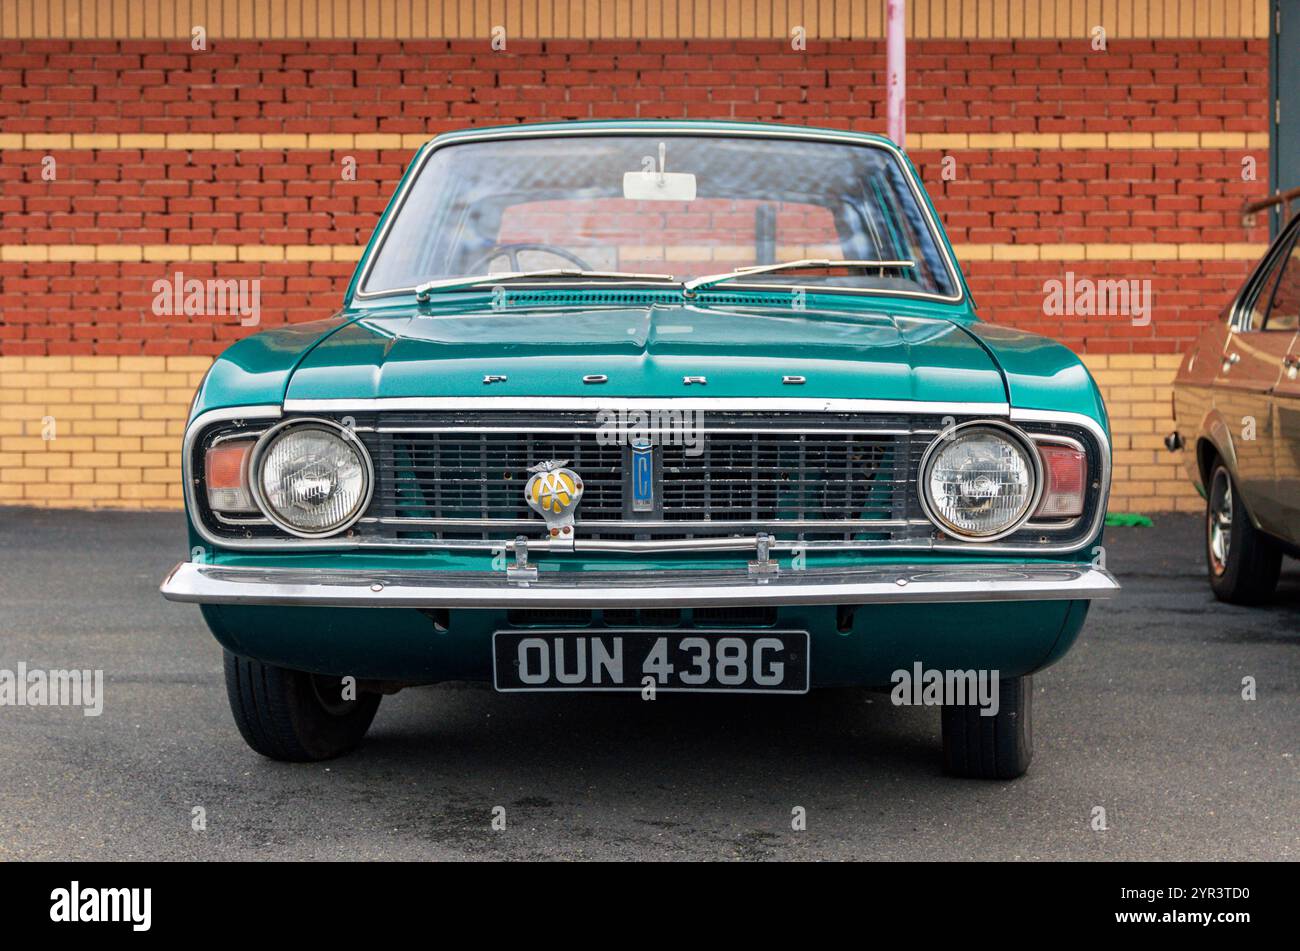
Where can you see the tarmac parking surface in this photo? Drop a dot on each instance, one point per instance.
(1144, 718)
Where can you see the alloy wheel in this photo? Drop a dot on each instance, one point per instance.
(1219, 520)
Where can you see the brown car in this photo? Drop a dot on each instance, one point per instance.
(1237, 413)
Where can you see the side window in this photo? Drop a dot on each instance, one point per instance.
(1284, 312)
(1258, 306)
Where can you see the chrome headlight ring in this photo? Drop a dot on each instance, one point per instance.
(258, 462)
(1008, 434)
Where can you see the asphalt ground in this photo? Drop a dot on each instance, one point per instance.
(1143, 718)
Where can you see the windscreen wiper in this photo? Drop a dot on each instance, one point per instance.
(423, 291)
(708, 280)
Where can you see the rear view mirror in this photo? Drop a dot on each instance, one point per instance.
(651, 184)
(659, 186)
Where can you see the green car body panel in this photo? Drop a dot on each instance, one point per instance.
(868, 346)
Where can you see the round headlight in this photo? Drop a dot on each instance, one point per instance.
(979, 481)
(312, 477)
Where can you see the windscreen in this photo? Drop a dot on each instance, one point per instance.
(681, 205)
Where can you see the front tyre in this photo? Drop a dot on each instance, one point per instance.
(1243, 563)
(991, 747)
(293, 715)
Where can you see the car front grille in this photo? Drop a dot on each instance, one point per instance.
(456, 479)
(810, 476)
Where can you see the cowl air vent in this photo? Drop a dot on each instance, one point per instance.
(560, 298)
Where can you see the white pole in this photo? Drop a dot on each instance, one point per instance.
(896, 71)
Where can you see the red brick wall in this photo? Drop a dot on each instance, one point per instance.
(1043, 193)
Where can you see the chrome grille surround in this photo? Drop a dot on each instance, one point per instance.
(453, 479)
(825, 477)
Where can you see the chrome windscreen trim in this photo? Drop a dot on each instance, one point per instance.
(1258, 275)
(217, 584)
(937, 234)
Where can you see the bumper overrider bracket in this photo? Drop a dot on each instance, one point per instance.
(877, 584)
(521, 572)
(763, 566)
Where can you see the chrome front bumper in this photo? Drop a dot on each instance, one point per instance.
(891, 584)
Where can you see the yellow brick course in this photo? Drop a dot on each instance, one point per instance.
(130, 253)
(575, 19)
(115, 426)
(1137, 387)
(80, 141)
(117, 423)
(177, 253)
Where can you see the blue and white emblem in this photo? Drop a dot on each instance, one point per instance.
(643, 476)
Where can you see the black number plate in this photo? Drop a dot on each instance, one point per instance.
(707, 661)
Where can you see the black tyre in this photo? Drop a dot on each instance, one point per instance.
(1243, 563)
(292, 715)
(993, 747)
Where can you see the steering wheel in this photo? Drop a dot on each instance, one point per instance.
(512, 251)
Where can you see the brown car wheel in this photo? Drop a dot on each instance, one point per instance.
(1243, 563)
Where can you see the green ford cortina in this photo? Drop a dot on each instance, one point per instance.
(648, 407)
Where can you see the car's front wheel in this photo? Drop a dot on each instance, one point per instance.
(293, 715)
(991, 747)
(1243, 563)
